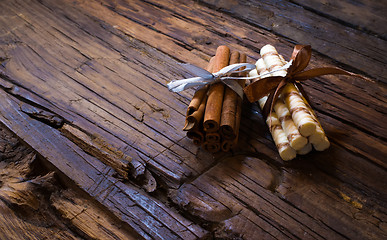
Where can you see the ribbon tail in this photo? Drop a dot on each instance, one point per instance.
(234, 85)
(315, 72)
(233, 68)
(197, 71)
(269, 105)
(183, 84)
(261, 87)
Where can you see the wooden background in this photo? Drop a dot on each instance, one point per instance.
(92, 139)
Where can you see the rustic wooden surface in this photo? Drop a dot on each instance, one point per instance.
(83, 85)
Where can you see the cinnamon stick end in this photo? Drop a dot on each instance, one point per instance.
(210, 126)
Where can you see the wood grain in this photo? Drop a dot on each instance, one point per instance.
(83, 83)
(345, 44)
(142, 213)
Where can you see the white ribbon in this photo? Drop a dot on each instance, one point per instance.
(204, 77)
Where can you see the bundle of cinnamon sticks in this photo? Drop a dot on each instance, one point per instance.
(214, 113)
(293, 123)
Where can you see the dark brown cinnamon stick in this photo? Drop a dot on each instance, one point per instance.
(228, 116)
(242, 83)
(211, 147)
(215, 93)
(196, 116)
(212, 137)
(196, 135)
(228, 144)
(197, 105)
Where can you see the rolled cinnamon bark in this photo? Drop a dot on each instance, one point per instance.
(211, 147)
(296, 140)
(194, 118)
(229, 108)
(215, 93)
(285, 151)
(212, 137)
(305, 150)
(197, 105)
(242, 83)
(300, 113)
(228, 144)
(196, 135)
(318, 139)
(292, 99)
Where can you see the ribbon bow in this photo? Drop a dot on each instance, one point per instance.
(295, 74)
(205, 77)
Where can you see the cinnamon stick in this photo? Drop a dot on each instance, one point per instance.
(215, 93)
(229, 144)
(285, 151)
(318, 139)
(305, 150)
(213, 137)
(229, 108)
(281, 141)
(196, 108)
(242, 83)
(211, 147)
(196, 135)
(194, 118)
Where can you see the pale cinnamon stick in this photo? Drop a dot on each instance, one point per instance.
(229, 108)
(293, 101)
(215, 93)
(305, 150)
(281, 141)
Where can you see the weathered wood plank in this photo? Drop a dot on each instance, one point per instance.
(139, 112)
(107, 85)
(24, 194)
(351, 106)
(75, 89)
(243, 187)
(367, 16)
(146, 215)
(242, 30)
(89, 220)
(344, 44)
